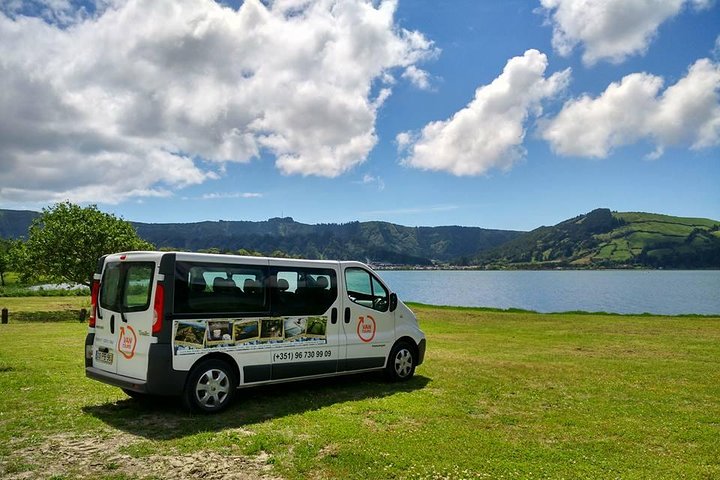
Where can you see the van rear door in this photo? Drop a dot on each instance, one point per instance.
(125, 316)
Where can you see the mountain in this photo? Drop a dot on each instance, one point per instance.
(380, 242)
(599, 239)
(375, 241)
(605, 239)
(15, 223)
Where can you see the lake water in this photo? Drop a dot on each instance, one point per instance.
(618, 291)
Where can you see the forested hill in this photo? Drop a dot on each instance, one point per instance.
(375, 241)
(15, 223)
(603, 238)
(599, 239)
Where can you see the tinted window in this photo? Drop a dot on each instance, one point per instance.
(302, 291)
(219, 288)
(127, 286)
(366, 290)
(138, 280)
(110, 286)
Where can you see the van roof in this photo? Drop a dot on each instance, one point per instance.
(217, 257)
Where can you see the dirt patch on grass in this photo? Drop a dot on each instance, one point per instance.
(86, 457)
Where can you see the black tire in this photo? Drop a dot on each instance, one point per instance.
(401, 362)
(210, 388)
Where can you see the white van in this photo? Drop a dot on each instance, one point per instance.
(201, 326)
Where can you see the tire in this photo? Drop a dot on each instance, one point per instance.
(401, 362)
(210, 387)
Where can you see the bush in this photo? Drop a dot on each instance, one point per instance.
(55, 316)
(18, 291)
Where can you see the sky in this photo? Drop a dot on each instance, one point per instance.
(489, 113)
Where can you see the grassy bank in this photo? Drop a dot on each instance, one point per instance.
(501, 395)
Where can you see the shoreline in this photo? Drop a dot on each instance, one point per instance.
(426, 268)
(513, 310)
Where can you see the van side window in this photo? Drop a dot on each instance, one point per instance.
(302, 291)
(366, 290)
(219, 288)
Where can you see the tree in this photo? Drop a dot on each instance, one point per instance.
(4, 259)
(65, 242)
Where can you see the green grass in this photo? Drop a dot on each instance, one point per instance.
(659, 218)
(501, 395)
(43, 304)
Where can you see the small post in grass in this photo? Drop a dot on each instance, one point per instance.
(83, 315)
(4, 315)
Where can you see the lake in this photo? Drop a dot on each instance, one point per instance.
(669, 292)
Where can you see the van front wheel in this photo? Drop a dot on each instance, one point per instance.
(401, 363)
(210, 388)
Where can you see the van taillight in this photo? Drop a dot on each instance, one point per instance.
(93, 302)
(158, 308)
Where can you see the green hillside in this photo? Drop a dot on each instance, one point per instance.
(15, 223)
(599, 239)
(380, 242)
(603, 238)
(375, 241)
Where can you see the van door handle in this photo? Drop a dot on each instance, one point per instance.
(333, 316)
(112, 323)
(347, 314)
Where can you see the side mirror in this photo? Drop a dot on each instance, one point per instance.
(393, 301)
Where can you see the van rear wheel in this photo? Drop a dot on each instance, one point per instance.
(210, 388)
(401, 362)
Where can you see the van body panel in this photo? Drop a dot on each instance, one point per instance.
(368, 323)
(277, 319)
(406, 326)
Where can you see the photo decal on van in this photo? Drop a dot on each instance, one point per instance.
(248, 333)
(218, 332)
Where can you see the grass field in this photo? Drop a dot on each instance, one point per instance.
(501, 395)
(44, 304)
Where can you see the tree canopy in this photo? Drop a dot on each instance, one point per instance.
(66, 240)
(4, 259)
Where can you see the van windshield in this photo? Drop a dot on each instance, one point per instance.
(126, 286)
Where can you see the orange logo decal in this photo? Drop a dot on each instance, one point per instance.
(366, 328)
(127, 342)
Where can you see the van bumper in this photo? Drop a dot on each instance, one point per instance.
(116, 380)
(162, 379)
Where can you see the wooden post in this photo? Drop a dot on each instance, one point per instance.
(4, 315)
(83, 315)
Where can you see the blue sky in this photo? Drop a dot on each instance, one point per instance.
(498, 114)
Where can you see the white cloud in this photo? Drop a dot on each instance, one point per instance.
(141, 98)
(404, 140)
(223, 196)
(686, 113)
(419, 78)
(610, 29)
(368, 179)
(488, 133)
